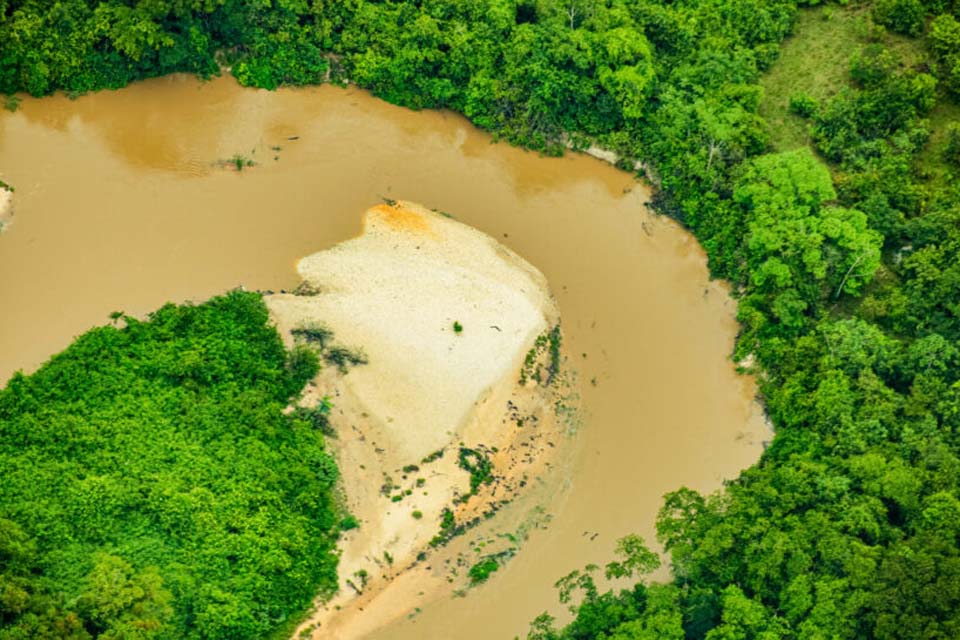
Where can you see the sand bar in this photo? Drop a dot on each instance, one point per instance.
(445, 316)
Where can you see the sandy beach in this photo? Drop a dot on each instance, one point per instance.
(6, 207)
(445, 317)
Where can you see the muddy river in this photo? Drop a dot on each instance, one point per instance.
(123, 203)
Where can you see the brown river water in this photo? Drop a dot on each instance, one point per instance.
(121, 205)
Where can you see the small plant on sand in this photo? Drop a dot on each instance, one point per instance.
(240, 161)
(306, 289)
(349, 522)
(363, 577)
(433, 457)
(457, 327)
(11, 103)
(417, 515)
(387, 487)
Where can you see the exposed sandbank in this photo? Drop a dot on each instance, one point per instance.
(446, 316)
(6, 207)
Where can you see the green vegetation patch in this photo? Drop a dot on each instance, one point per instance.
(477, 464)
(449, 529)
(314, 334)
(542, 362)
(344, 357)
(151, 486)
(814, 62)
(11, 103)
(320, 337)
(481, 570)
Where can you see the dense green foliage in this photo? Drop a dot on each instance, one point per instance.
(151, 486)
(845, 254)
(849, 277)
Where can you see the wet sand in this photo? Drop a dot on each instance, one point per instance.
(121, 205)
(6, 207)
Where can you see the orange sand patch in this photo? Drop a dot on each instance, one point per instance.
(401, 218)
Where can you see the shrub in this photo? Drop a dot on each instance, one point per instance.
(902, 16)
(803, 105)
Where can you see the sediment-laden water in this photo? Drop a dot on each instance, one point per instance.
(123, 203)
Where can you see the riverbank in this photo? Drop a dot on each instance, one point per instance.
(435, 431)
(6, 206)
(648, 332)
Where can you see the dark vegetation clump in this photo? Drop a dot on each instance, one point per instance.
(240, 161)
(542, 362)
(478, 465)
(318, 417)
(448, 529)
(480, 571)
(319, 338)
(432, 457)
(313, 334)
(152, 486)
(344, 357)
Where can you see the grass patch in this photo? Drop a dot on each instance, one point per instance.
(930, 162)
(814, 61)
